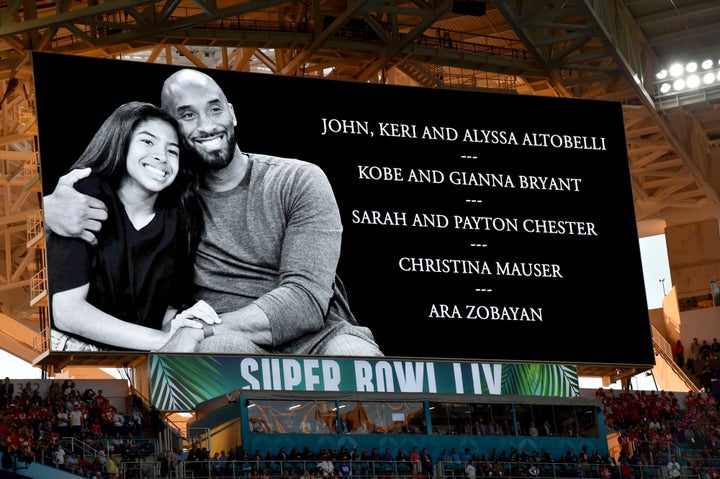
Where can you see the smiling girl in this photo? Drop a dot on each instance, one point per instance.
(125, 292)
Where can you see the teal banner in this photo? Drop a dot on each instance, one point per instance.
(181, 382)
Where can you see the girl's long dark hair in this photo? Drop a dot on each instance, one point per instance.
(107, 152)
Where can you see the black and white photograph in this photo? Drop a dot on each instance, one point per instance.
(182, 242)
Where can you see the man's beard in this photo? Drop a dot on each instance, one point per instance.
(218, 159)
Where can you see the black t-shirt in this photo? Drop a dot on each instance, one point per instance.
(133, 274)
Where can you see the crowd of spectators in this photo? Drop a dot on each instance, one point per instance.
(78, 432)
(699, 360)
(653, 429)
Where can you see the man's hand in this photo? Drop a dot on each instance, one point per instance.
(71, 213)
(200, 311)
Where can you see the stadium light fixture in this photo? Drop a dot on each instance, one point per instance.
(687, 82)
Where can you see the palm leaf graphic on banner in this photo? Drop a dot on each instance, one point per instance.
(540, 380)
(181, 382)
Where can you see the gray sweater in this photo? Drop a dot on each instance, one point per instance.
(273, 240)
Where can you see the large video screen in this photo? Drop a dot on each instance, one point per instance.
(343, 218)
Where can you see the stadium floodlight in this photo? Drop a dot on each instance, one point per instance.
(676, 70)
(685, 82)
(693, 81)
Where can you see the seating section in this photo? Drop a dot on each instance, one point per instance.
(80, 432)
